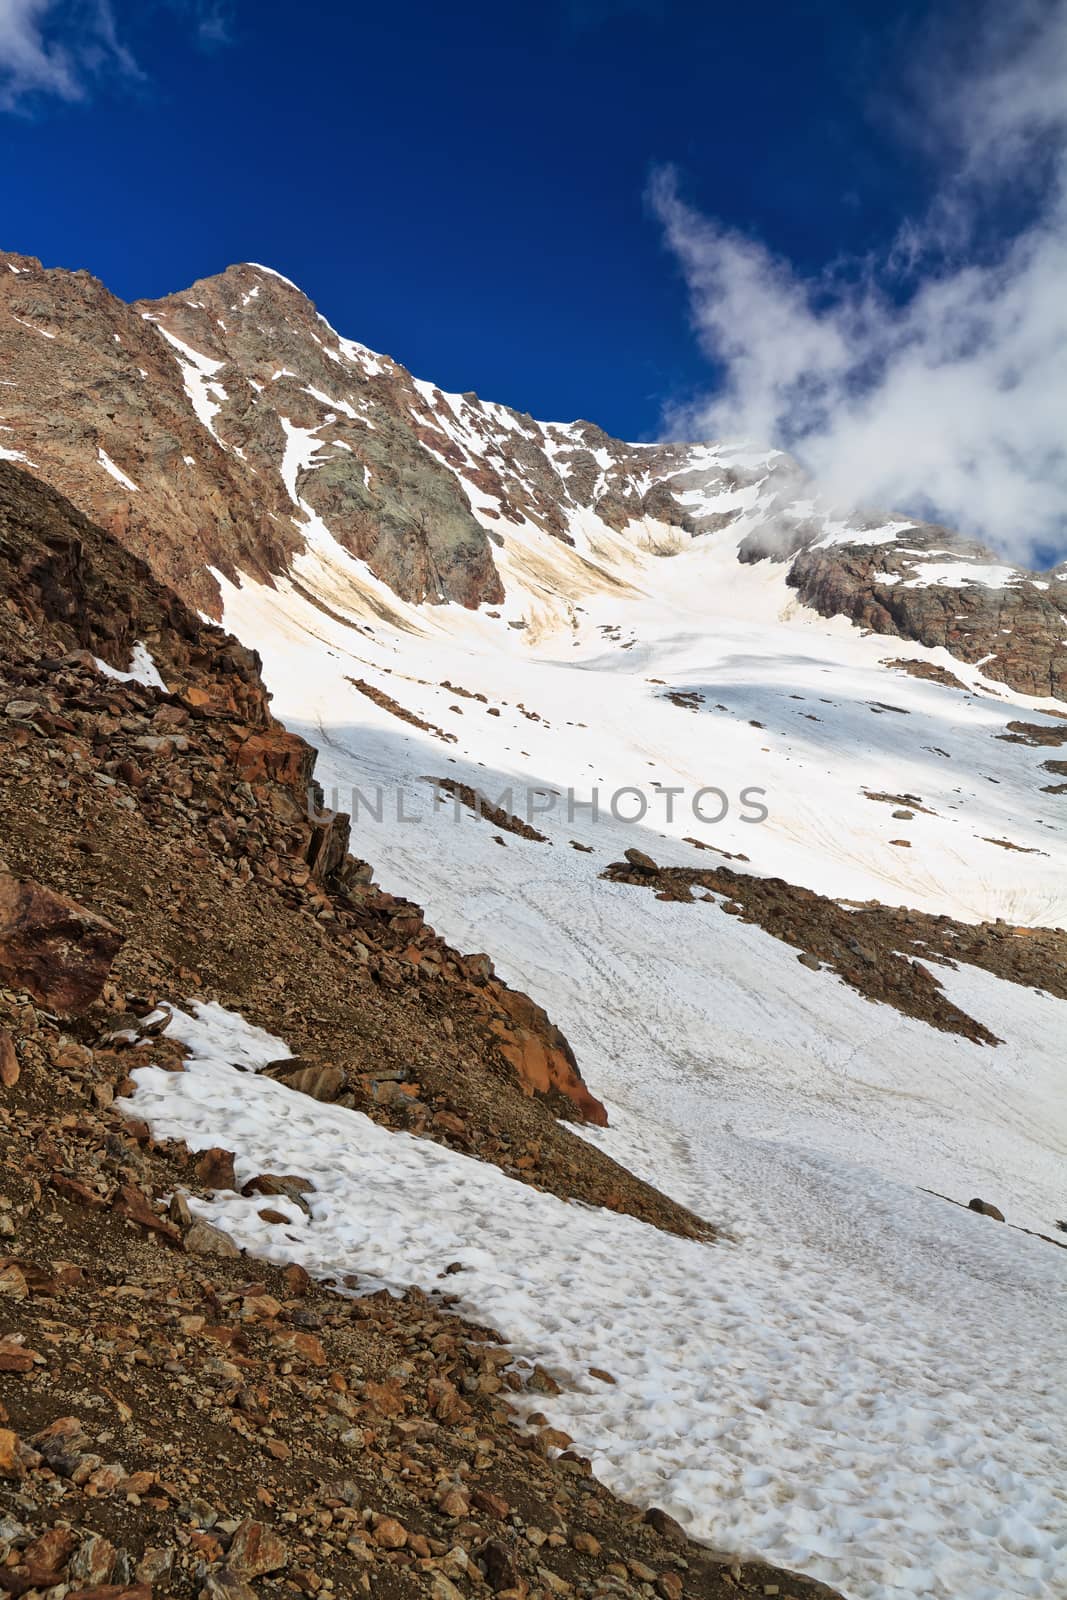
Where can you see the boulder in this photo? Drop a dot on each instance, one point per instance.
(256, 1549)
(986, 1210)
(390, 1534)
(297, 1281)
(10, 1463)
(638, 859)
(204, 1240)
(275, 754)
(9, 1061)
(540, 1054)
(226, 1585)
(94, 1561)
(321, 1082)
(666, 1526)
(290, 1185)
(214, 1168)
(131, 1201)
(501, 1566)
(55, 949)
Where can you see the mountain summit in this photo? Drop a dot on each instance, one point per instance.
(221, 429)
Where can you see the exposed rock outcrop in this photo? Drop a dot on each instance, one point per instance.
(1015, 629)
(55, 949)
(883, 952)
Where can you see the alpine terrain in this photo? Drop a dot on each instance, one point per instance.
(533, 977)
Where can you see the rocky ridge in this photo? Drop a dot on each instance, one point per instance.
(883, 952)
(223, 428)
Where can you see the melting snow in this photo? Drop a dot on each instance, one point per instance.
(33, 329)
(884, 1420)
(373, 365)
(205, 397)
(116, 472)
(142, 669)
(301, 449)
(337, 405)
(796, 1390)
(860, 1380)
(843, 532)
(280, 276)
(954, 574)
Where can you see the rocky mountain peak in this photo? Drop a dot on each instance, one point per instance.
(227, 428)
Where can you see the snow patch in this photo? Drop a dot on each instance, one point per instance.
(206, 397)
(32, 327)
(954, 574)
(116, 472)
(142, 669)
(279, 275)
(301, 450)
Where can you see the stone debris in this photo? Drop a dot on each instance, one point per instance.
(177, 1420)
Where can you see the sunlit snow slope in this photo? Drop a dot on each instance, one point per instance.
(859, 1380)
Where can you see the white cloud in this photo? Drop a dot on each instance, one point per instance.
(935, 381)
(29, 61)
(55, 49)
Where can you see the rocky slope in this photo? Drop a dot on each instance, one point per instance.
(227, 426)
(169, 1423)
(177, 1421)
(182, 816)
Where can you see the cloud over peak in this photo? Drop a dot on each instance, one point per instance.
(932, 381)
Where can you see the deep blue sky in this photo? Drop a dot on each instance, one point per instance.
(462, 186)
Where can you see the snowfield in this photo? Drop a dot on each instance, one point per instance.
(859, 1379)
(876, 1418)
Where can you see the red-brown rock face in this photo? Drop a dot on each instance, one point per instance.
(220, 426)
(1016, 631)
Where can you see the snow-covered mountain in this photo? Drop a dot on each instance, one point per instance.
(226, 425)
(822, 999)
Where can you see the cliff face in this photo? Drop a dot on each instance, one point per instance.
(91, 397)
(227, 428)
(1014, 629)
